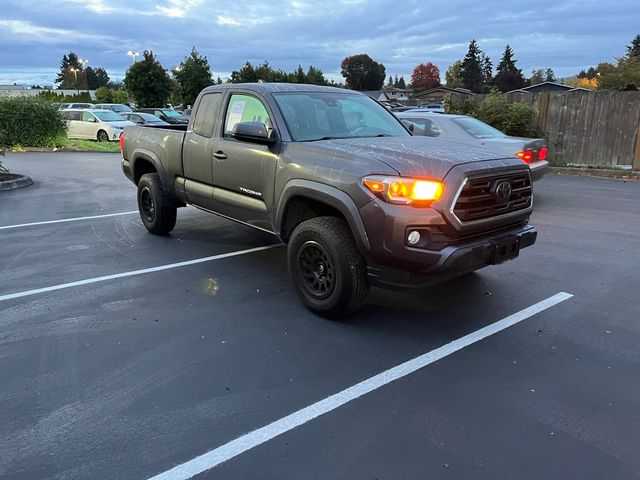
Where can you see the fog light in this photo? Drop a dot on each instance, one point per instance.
(414, 237)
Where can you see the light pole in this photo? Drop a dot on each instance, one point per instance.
(83, 64)
(75, 74)
(133, 56)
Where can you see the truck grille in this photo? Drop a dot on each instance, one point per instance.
(478, 199)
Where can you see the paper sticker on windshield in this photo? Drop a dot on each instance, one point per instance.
(235, 115)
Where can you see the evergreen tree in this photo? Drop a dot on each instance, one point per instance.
(471, 68)
(148, 82)
(96, 78)
(401, 82)
(395, 82)
(193, 75)
(633, 50)
(487, 71)
(390, 82)
(509, 76)
(537, 76)
(549, 75)
(68, 78)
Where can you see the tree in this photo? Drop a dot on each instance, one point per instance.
(425, 75)
(192, 75)
(96, 78)
(362, 72)
(315, 76)
(509, 76)
(549, 75)
(120, 96)
(625, 75)
(633, 50)
(487, 72)
(148, 82)
(401, 82)
(390, 82)
(104, 95)
(537, 76)
(452, 76)
(66, 77)
(471, 68)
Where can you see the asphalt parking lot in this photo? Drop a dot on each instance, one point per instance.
(149, 368)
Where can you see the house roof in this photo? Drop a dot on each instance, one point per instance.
(537, 86)
(442, 88)
(375, 94)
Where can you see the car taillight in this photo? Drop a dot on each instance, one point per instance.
(526, 156)
(122, 143)
(404, 191)
(542, 154)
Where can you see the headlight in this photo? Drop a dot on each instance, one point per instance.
(404, 191)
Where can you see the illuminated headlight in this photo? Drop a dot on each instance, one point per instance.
(404, 191)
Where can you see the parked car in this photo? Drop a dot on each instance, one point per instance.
(430, 107)
(65, 106)
(336, 176)
(91, 124)
(471, 131)
(115, 107)
(166, 114)
(143, 118)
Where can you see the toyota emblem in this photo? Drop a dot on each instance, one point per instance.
(503, 192)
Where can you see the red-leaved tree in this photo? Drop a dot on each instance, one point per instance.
(425, 75)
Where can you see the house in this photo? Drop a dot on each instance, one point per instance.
(395, 94)
(437, 94)
(545, 87)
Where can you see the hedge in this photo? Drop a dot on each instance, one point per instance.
(30, 122)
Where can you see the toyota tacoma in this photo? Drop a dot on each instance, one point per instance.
(356, 197)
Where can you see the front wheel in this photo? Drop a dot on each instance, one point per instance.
(103, 136)
(326, 267)
(157, 210)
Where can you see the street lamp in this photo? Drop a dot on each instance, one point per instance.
(75, 74)
(83, 65)
(133, 56)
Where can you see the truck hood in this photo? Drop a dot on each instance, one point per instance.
(409, 156)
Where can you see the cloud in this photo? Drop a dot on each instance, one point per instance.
(34, 36)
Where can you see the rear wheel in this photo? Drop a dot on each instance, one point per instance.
(103, 136)
(326, 267)
(157, 210)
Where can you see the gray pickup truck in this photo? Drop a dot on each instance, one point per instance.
(358, 200)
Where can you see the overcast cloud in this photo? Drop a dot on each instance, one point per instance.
(564, 35)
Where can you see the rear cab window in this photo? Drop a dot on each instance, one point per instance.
(207, 114)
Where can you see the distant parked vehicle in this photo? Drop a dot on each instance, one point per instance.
(91, 124)
(432, 107)
(143, 118)
(471, 131)
(115, 107)
(166, 114)
(65, 106)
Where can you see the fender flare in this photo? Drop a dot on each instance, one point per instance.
(148, 155)
(329, 195)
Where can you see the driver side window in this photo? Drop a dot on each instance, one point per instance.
(244, 108)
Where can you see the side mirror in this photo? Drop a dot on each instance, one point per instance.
(409, 125)
(255, 132)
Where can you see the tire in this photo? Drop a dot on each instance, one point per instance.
(102, 136)
(157, 210)
(326, 268)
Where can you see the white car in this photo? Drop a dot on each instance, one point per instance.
(100, 125)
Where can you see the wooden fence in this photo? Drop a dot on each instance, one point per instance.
(587, 127)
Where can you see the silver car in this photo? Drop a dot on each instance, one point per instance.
(465, 129)
(100, 125)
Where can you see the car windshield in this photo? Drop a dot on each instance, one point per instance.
(108, 116)
(315, 116)
(171, 113)
(478, 129)
(121, 108)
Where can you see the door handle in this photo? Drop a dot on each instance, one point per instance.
(220, 155)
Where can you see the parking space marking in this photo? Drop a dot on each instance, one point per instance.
(257, 437)
(63, 220)
(133, 273)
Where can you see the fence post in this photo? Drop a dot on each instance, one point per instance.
(543, 110)
(636, 156)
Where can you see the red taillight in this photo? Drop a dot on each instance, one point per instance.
(122, 143)
(542, 154)
(526, 156)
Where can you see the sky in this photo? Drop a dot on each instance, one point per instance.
(564, 35)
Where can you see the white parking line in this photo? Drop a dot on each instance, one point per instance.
(133, 273)
(257, 437)
(63, 220)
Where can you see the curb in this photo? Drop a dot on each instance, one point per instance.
(56, 150)
(597, 172)
(21, 181)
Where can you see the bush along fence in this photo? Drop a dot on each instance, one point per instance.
(596, 129)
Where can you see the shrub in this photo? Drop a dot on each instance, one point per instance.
(53, 96)
(30, 122)
(120, 96)
(104, 95)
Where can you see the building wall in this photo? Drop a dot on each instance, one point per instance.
(32, 92)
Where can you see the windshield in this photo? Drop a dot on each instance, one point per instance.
(321, 116)
(148, 117)
(171, 113)
(478, 129)
(108, 116)
(121, 108)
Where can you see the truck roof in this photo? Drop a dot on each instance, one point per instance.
(279, 87)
